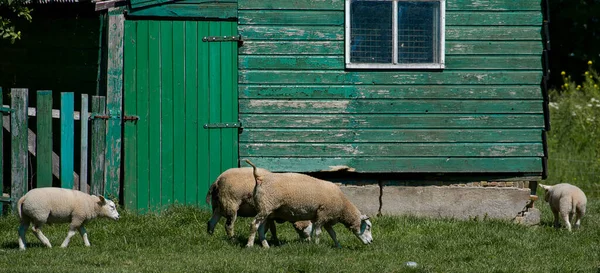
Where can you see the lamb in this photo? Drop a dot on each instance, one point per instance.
(567, 200)
(231, 196)
(56, 205)
(299, 197)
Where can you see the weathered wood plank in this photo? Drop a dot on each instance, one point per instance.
(403, 164)
(337, 47)
(154, 118)
(114, 103)
(32, 112)
(379, 77)
(180, 97)
(184, 9)
(292, 4)
(492, 33)
(44, 139)
(485, 18)
(354, 106)
(98, 147)
(83, 165)
(67, 140)
(192, 112)
(336, 18)
(291, 17)
(417, 121)
(389, 92)
(19, 153)
(390, 135)
(493, 47)
(286, 33)
(166, 111)
(292, 47)
(453, 62)
(500, 5)
(392, 150)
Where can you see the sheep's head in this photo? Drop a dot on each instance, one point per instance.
(364, 234)
(108, 208)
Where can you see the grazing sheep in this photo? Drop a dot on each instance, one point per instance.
(567, 200)
(298, 197)
(57, 205)
(231, 196)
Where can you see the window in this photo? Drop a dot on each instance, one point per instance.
(395, 34)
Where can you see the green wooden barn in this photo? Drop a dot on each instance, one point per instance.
(355, 90)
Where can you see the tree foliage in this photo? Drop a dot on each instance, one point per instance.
(10, 11)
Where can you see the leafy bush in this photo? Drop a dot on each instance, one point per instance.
(574, 138)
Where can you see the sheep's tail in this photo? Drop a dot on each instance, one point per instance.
(210, 192)
(19, 205)
(257, 178)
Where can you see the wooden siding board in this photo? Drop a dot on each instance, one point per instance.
(130, 183)
(380, 77)
(143, 125)
(298, 91)
(179, 114)
(192, 120)
(291, 4)
(166, 111)
(215, 93)
(386, 121)
(189, 10)
(67, 140)
(336, 18)
(513, 48)
(391, 106)
(404, 165)
(44, 139)
(292, 47)
(453, 62)
(154, 117)
(392, 150)
(501, 5)
(250, 136)
(204, 111)
(283, 33)
(493, 33)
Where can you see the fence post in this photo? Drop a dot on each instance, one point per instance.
(114, 101)
(44, 139)
(67, 128)
(84, 118)
(98, 146)
(19, 132)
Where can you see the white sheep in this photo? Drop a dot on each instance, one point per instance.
(567, 200)
(299, 197)
(231, 196)
(56, 205)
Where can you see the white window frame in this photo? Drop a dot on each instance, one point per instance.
(395, 65)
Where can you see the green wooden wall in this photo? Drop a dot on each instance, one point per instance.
(303, 111)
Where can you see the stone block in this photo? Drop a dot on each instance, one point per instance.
(365, 198)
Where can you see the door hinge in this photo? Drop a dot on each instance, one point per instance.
(236, 38)
(223, 125)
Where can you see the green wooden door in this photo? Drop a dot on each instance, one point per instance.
(176, 83)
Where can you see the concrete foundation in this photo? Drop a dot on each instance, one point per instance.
(507, 203)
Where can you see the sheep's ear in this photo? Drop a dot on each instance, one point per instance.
(364, 217)
(545, 187)
(102, 200)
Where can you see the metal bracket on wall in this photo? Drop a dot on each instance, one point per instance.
(5, 110)
(223, 125)
(237, 38)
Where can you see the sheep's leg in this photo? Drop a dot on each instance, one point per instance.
(84, 235)
(22, 230)
(210, 226)
(37, 231)
(578, 215)
(262, 237)
(270, 225)
(253, 229)
(317, 232)
(71, 233)
(229, 224)
(565, 217)
(333, 236)
(556, 219)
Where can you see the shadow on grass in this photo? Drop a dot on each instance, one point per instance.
(15, 245)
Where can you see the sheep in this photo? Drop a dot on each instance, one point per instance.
(299, 197)
(567, 200)
(231, 196)
(57, 205)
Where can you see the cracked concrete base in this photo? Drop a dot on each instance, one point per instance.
(444, 202)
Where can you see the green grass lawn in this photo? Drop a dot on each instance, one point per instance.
(176, 241)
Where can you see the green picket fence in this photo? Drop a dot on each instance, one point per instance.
(28, 141)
